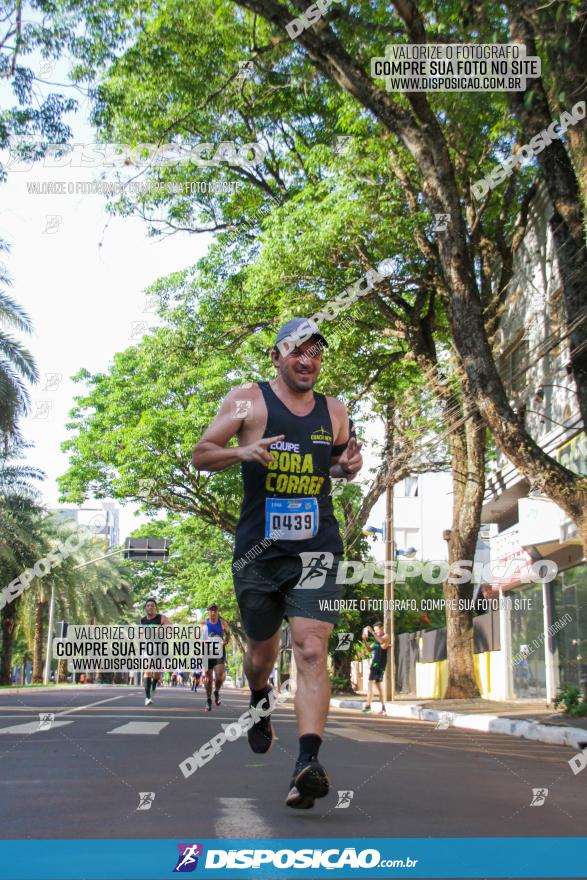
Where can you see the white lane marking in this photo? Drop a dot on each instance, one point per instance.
(32, 727)
(358, 735)
(89, 706)
(151, 715)
(239, 817)
(152, 728)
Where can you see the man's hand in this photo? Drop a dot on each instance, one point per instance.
(351, 460)
(259, 451)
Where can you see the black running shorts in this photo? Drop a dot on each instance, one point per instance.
(266, 594)
(376, 673)
(216, 661)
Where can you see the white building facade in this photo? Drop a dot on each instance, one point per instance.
(546, 644)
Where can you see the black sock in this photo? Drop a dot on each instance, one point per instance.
(309, 746)
(257, 696)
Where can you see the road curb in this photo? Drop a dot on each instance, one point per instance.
(557, 736)
(40, 688)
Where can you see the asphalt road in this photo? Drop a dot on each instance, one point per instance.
(82, 777)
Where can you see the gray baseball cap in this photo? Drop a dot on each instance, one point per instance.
(295, 332)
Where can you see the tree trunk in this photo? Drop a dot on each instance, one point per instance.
(62, 671)
(565, 43)
(38, 642)
(421, 133)
(8, 626)
(465, 437)
(468, 488)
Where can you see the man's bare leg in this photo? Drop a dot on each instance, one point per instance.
(310, 646)
(312, 701)
(219, 676)
(367, 706)
(258, 663)
(208, 688)
(260, 660)
(380, 692)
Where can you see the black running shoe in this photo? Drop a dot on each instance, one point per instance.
(309, 781)
(260, 736)
(208, 706)
(217, 697)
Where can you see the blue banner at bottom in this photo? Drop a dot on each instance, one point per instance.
(367, 858)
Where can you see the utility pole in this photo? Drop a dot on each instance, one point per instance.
(388, 581)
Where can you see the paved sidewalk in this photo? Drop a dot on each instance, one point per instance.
(530, 720)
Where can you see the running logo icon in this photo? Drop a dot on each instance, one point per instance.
(344, 800)
(146, 799)
(315, 567)
(539, 796)
(46, 719)
(187, 860)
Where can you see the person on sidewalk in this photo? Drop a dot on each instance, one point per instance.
(292, 440)
(378, 643)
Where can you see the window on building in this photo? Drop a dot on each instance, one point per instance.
(513, 366)
(527, 640)
(407, 488)
(569, 594)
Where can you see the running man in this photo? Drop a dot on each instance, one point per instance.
(378, 643)
(291, 441)
(216, 629)
(152, 618)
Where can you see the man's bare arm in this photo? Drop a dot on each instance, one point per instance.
(349, 463)
(210, 452)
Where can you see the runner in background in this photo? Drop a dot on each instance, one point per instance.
(152, 618)
(216, 629)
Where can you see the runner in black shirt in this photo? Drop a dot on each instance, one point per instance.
(291, 441)
(152, 618)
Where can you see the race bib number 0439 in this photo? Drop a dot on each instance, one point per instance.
(294, 519)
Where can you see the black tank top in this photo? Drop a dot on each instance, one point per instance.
(152, 621)
(291, 497)
(378, 655)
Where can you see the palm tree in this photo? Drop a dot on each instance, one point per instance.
(21, 546)
(94, 593)
(21, 653)
(21, 539)
(17, 364)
